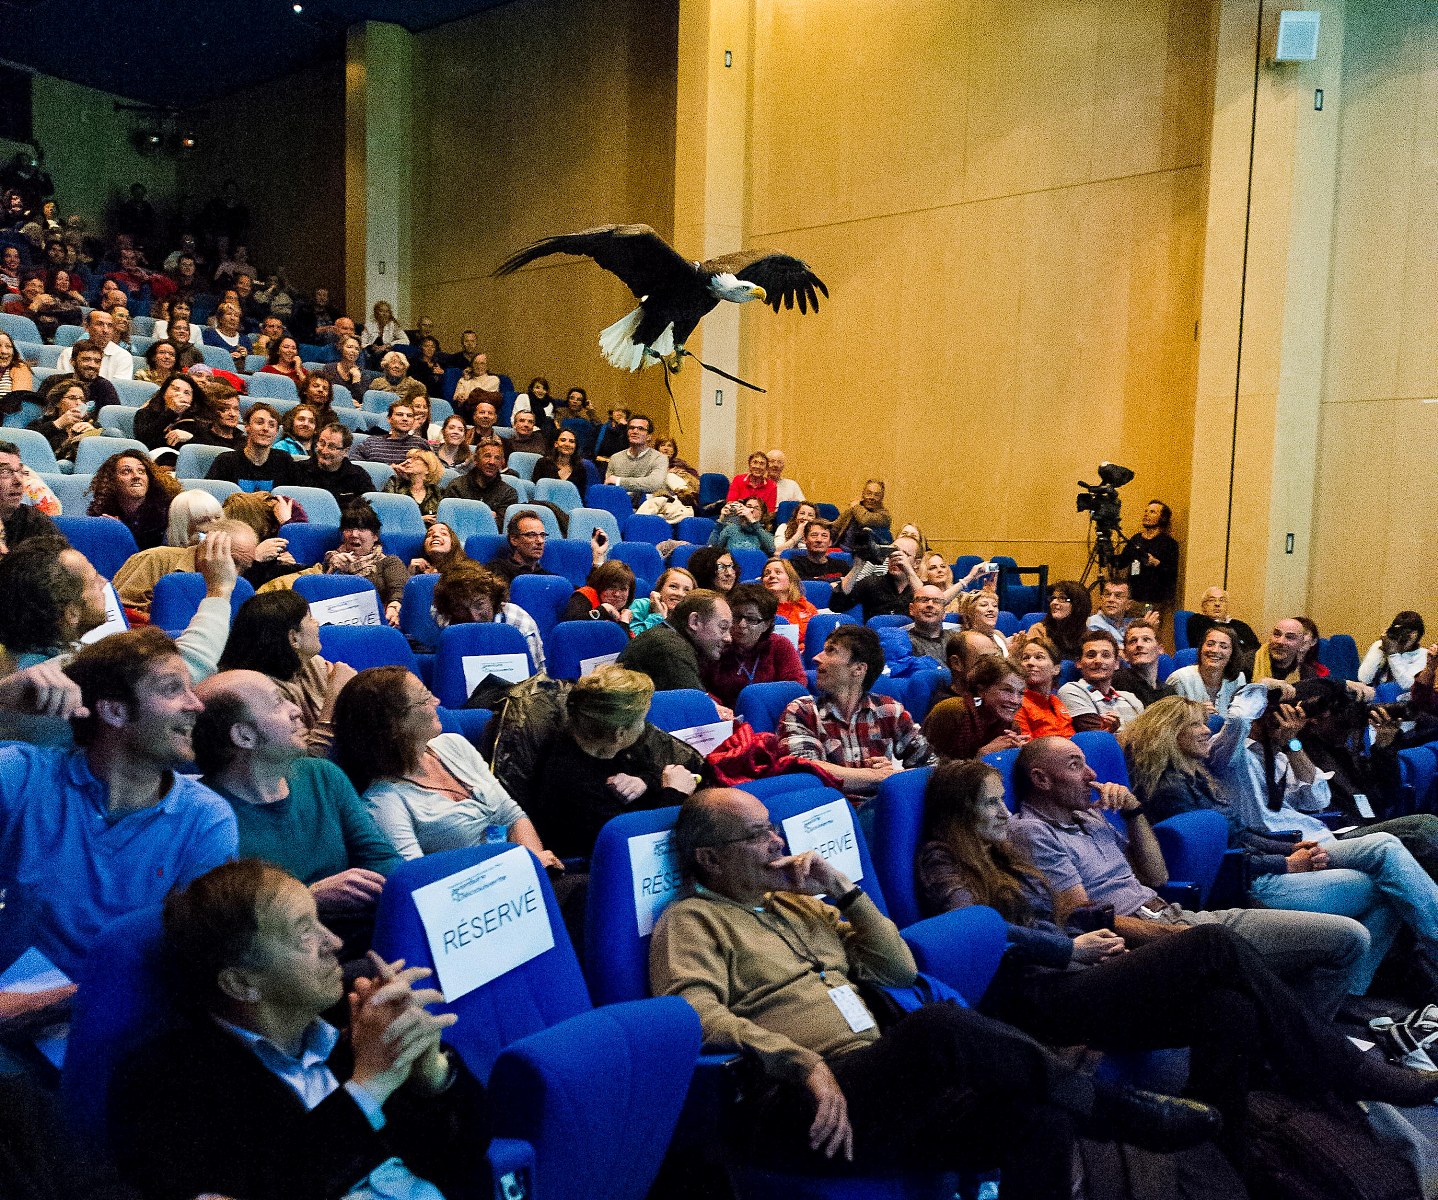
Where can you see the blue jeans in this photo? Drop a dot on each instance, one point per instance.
(1373, 879)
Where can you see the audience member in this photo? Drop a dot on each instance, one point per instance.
(128, 487)
(1089, 863)
(790, 534)
(682, 478)
(65, 421)
(782, 582)
(469, 592)
(714, 569)
(1268, 796)
(536, 399)
(1398, 655)
(1290, 654)
(927, 634)
(1216, 677)
(979, 613)
(1140, 674)
(1214, 611)
(860, 736)
(16, 378)
(890, 591)
(1209, 990)
(99, 328)
(174, 414)
(440, 551)
(485, 418)
(361, 553)
(639, 468)
(254, 1095)
(394, 446)
(756, 484)
(576, 406)
(417, 476)
(296, 812)
(258, 467)
(696, 631)
(475, 383)
(102, 830)
(395, 377)
(866, 513)
(330, 468)
(347, 370)
(383, 331)
(1042, 713)
(454, 449)
(983, 722)
(227, 334)
(222, 405)
(88, 359)
(526, 537)
(426, 370)
(670, 588)
(815, 563)
(784, 489)
(963, 651)
(526, 439)
(613, 436)
(21, 521)
(136, 578)
(755, 653)
(275, 635)
(483, 480)
(1112, 616)
(299, 427)
(561, 461)
(1150, 558)
(599, 759)
(1093, 701)
(181, 335)
(943, 1087)
(605, 596)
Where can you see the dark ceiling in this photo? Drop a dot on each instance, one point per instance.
(180, 53)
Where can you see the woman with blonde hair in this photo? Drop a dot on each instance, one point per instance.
(653, 609)
(1042, 713)
(383, 331)
(795, 607)
(190, 512)
(417, 476)
(979, 613)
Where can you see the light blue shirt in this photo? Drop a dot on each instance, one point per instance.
(1099, 621)
(70, 867)
(1299, 799)
(311, 1079)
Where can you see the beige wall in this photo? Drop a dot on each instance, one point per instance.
(538, 118)
(1007, 203)
(1375, 524)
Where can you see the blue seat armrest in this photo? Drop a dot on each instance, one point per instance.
(1177, 891)
(511, 1168)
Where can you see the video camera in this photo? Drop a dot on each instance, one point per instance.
(1100, 499)
(873, 545)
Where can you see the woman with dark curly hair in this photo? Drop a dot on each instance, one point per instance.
(1067, 619)
(713, 567)
(160, 361)
(440, 551)
(129, 488)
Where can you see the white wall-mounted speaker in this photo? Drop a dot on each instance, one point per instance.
(1297, 37)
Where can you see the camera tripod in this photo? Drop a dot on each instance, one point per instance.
(1101, 555)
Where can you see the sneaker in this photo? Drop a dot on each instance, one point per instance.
(1408, 1041)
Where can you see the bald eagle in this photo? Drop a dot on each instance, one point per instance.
(674, 294)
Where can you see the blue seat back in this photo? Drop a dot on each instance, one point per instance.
(476, 638)
(1339, 653)
(1418, 771)
(416, 621)
(20, 328)
(572, 560)
(898, 823)
(1387, 693)
(1030, 619)
(1180, 628)
(545, 515)
(522, 462)
(612, 499)
(118, 418)
(683, 708)
(641, 557)
(309, 542)
(27, 414)
(762, 704)
(1166, 666)
(713, 487)
(105, 542)
(1193, 845)
(379, 473)
(262, 386)
(788, 805)
(584, 521)
(543, 597)
(888, 685)
(963, 948)
(122, 1001)
(820, 627)
(1003, 762)
(569, 643)
(889, 621)
(1104, 755)
(70, 490)
(467, 517)
(1007, 623)
(321, 508)
(540, 993)
(397, 514)
(1183, 658)
(750, 564)
(921, 691)
(817, 592)
(694, 529)
(365, 646)
(134, 392)
(646, 528)
(177, 598)
(193, 462)
(327, 587)
(35, 451)
(220, 489)
(94, 451)
(559, 492)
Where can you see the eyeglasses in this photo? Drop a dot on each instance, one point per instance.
(723, 567)
(748, 619)
(756, 833)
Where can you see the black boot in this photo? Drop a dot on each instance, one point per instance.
(1150, 1120)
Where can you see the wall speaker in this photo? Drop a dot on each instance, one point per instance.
(1297, 37)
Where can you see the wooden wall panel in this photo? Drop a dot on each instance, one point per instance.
(536, 118)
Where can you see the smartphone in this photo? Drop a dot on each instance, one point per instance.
(1091, 917)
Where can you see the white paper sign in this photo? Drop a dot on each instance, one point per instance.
(705, 738)
(586, 665)
(484, 921)
(829, 829)
(513, 667)
(114, 618)
(789, 631)
(358, 608)
(657, 878)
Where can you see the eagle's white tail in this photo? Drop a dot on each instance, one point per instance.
(620, 348)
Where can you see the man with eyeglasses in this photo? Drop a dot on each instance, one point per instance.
(695, 632)
(21, 521)
(771, 969)
(640, 469)
(526, 547)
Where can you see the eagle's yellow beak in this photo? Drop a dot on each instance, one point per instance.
(759, 294)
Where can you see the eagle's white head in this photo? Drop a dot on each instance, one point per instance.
(735, 290)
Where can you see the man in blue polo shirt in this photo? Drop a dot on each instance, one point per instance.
(91, 834)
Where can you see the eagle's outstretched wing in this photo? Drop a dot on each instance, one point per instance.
(783, 277)
(640, 257)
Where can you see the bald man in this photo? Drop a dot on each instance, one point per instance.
(962, 652)
(294, 811)
(784, 489)
(1090, 862)
(136, 579)
(1213, 610)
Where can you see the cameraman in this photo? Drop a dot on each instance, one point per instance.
(891, 592)
(1150, 558)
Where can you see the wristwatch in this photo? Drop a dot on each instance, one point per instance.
(848, 898)
(1294, 745)
(1135, 811)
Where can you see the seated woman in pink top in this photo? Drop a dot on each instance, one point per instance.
(756, 654)
(1042, 713)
